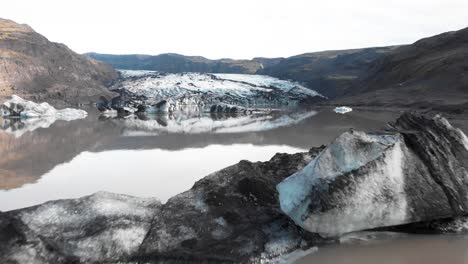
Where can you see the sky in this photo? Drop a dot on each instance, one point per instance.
(239, 29)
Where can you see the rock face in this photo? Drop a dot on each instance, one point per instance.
(416, 172)
(37, 69)
(229, 216)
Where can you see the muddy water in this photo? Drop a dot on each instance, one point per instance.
(394, 249)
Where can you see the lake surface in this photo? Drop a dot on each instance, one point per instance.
(391, 248)
(158, 157)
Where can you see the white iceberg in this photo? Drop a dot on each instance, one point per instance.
(29, 109)
(24, 116)
(342, 109)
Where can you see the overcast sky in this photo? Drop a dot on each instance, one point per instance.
(237, 28)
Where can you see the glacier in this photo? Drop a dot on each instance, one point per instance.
(237, 89)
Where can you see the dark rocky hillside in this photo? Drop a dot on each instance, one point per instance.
(35, 68)
(330, 73)
(431, 73)
(176, 63)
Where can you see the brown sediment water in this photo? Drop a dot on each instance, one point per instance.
(409, 249)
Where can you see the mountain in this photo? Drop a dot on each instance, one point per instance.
(176, 63)
(35, 68)
(330, 73)
(431, 73)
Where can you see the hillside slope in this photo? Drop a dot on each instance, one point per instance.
(330, 73)
(176, 63)
(35, 68)
(432, 72)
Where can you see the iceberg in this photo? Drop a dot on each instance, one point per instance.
(21, 116)
(18, 107)
(342, 109)
(417, 171)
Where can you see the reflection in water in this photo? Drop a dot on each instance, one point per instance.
(400, 249)
(213, 123)
(133, 156)
(18, 126)
(147, 173)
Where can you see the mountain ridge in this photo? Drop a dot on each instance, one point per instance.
(178, 63)
(37, 69)
(328, 72)
(430, 73)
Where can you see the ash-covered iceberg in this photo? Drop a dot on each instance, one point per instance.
(230, 216)
(417, 172)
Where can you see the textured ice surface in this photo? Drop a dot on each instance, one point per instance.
(458, 132)
(234, 87)
(268, 81)
(103, 226)
(364, 202)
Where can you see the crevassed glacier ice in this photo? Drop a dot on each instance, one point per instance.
(211, 88)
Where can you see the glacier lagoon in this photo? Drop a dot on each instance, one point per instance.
(158, 157)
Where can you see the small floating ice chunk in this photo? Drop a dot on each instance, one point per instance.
(342, 109)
